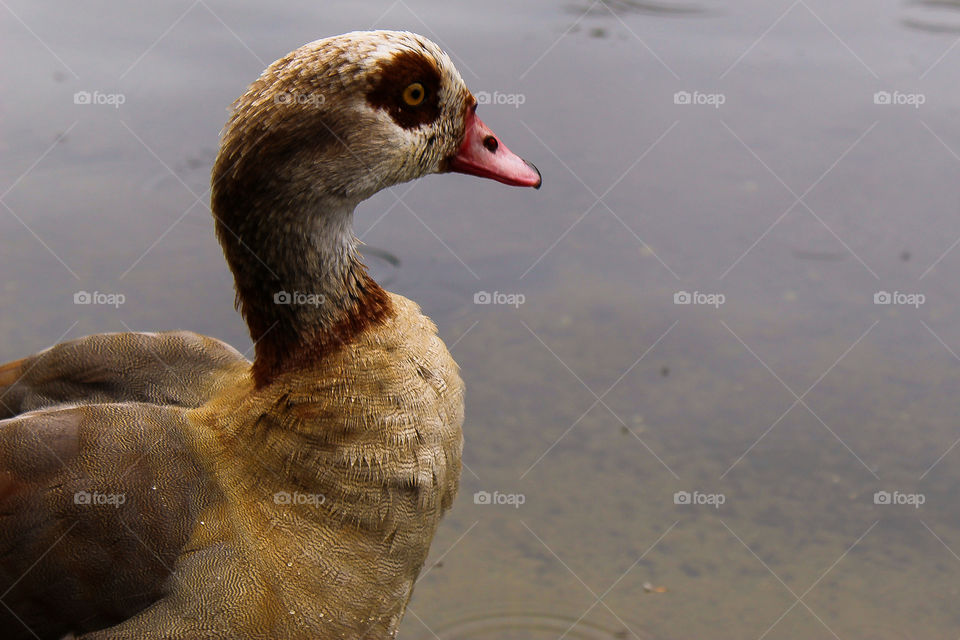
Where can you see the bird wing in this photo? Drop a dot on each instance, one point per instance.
(96, 504)
(178, 368)
(98, 490)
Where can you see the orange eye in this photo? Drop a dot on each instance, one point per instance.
(414, 94)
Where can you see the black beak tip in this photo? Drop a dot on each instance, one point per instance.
(539, 177)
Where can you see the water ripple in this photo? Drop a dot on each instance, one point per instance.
(933, 16)
(529, 626)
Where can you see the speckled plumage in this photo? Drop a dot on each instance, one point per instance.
(375, 431)
(297, 500)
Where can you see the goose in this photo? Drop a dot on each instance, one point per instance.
(160, 485)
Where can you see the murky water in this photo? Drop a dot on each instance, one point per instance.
(797, 159)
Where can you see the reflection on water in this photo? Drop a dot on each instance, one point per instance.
(193, 171)
(383, 265)
(639, 6)
(935, 16)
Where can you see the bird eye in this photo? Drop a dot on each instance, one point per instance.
(414, 94)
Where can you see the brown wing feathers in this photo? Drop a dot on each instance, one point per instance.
(9, 374)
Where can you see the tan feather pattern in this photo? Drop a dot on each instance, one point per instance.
(373, 434)
(162, 486)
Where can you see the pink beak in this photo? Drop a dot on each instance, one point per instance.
(482, 154)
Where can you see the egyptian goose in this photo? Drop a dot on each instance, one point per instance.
(162, 486)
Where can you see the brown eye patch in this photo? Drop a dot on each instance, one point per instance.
(393, 79)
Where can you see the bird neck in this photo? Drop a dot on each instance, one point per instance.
(300, 284)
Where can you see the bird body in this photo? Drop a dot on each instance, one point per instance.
(163, 486)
